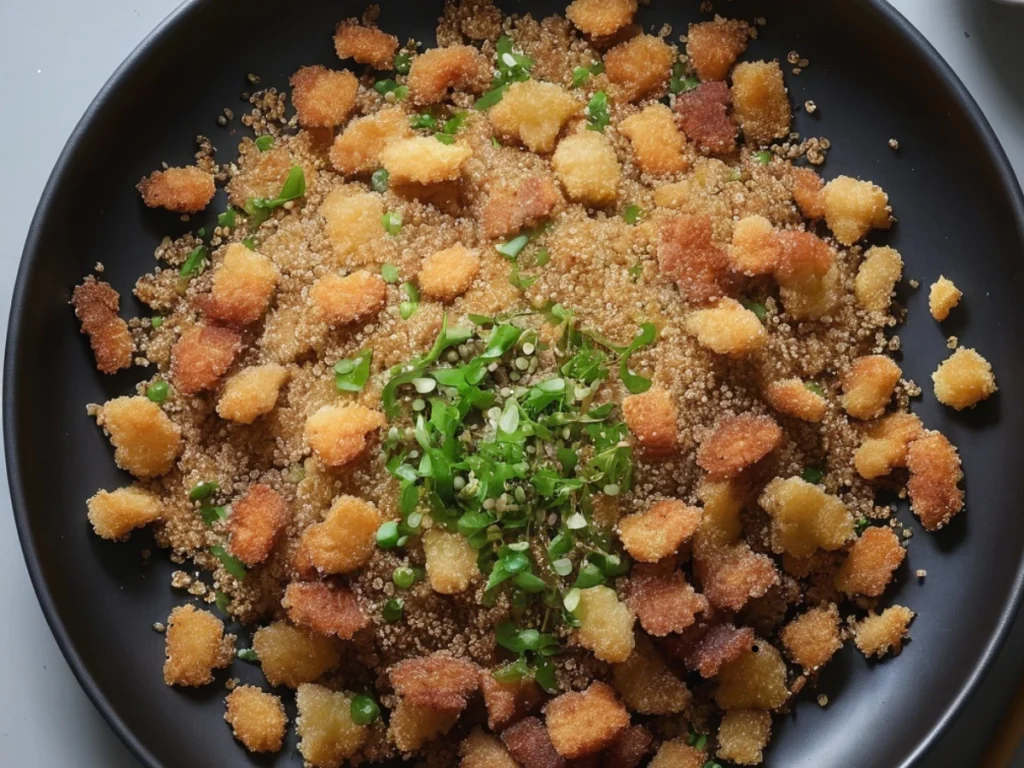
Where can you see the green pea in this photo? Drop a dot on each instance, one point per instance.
(403, 577)
(387, 535)
(393, 610)
(158, 391)
(364, 710)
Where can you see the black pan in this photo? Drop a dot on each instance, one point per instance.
(873, 78)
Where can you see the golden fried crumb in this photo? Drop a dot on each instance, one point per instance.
(460, 67)
(195, 646)
(146, 442)
(755, 680)
(96, 305)
(732, 576)
(601, 18)
(720, 524)
(657, 533)
(327, 733)
(804, 517)
(251, 393)
(323, 97)
(868, 385)
(964, 379)
(256, 521)
(451, 562)
(651, 417)
(438, 681)
(508, 702)
(411, 727)
(423, 160)
(346, 538)
(292, 655)
(877, 277)
(448, 274)
(581, 724)
(353, 223)
(743, 734)
(727, 328)
(873, 559)
(482, 750)
(340, 433)
(688, 255)
(756, 248)
(357, 149)
(943, 296)
(534, 113)
(243, 285)
(647, 685)
(366, 45)
(201, 356)
(114, 514)
(181, 190)
(349, 299)
(256, 718)
(529, 743)
(639, 66)
(935, 474)
(738, 442)
(719, 645)
(877, 635)
(760, 103)
(810, 284)
(807, 193)
(657, 142)
(714, 46)
(662, 600)
(853, 208)
(704, 115)
(606, 625)
(885, 445)
(586, 165)
(812, 638)
(678, 754)
(629, 749)
(791, 397)
(324, 608)
(513, 207)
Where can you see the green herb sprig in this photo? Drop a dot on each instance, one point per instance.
(259, 208)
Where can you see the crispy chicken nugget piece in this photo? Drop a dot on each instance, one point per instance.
(651, 417)
(424, 160)
(807, 193)
(873, 559)
(460, 67)
(737, 443)
(879, 634)
(243, 285)
(251, 393)
(353, 224)
(868, 385)
(581, 724)
(181, 190)
(704, 115)
(201, 356)
(743, 734)
(195, 646)
(509, 702)
(885, 445)
(257, 520)
(804, 517)
(439, 681)
(657, 141)
(647, 685)
(755, 680)
(760, 103)
(482, 750)
(411, 726)
(357, 149)
(96, 304)
(346, 539)
(943, 296)
(349, 299)
(657, 533)
(812, 638)
(935, 473)
(323, 98)
(513, 207)
(534, 113)
(853, 208)
(756, 247)
(325, 608)
(662, 600)
(293, 655)
(689, 256)
(640, 66)
(964, 379)
(629, 749)
(115, 514)
(791, 397)
(678, 754)
(338, 434)
(328, 735)
(446, 275)
(146, 441)
(877, 278)
(714, 46)
(257, 718)
(606, 624)
(588, 168)
(366, 45)
(600, 18)
(727, 328)
(529, 743)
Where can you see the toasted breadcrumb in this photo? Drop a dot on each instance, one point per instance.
(257, 519)
(256, 718)
(201, 356)
(345, 539)
(251, 393)
(606, 625)
(943, 296)
(640, 66)
(446, 275)
(529, 743)
(586, 165)
(868, 385)
(727, 328)
(292, 656)
(704, 115)
(323, 98)
(366, 45)
(146, 441)
(714, 46)
(439, 681)
(96, 305)
(508, 702)
(243, 285)
(755, 680)
(581, 724)
(340, 433)
(657, 533)
(451, 562)
(357, 149)
(964, 379)
(877, 277)
(791, 397)
(743, 734)
(327, 734)
(411, 726)
(647, 684)
(738, 442)
(534, 113)
(324, 608)
(877, 635)
(481, 750)
(349, 299)
(423, 160)
(812, 638)
(461, 67)
(651, 417)
(935, 475)
(678, 754)
(657, 142)
(760, 101)
(885, 445)
(115, 514)
(688, 255)
(872, 560)
(853, 208)
(195, 646)
(662, 600)
(181, 190)
(601, 18)
(804, 517)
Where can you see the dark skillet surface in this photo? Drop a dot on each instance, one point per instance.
(960, 213)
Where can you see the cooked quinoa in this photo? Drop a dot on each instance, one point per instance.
(527, 404)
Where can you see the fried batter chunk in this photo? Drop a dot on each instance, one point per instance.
(737, 443)
(201, 356)
(935, 474)
(323, 97)
(662, 600)
(96, 305)
(257, 519)
(338, 434)
(657, 533)
(181, 190)
(714, 46)
(704, 114)
(872, 560)
(640, 66)
(460, 67)
(256, 718)
(688, 255)
(581, 724)
(651, 417)
(324, 608)
(195, 646)
(366, 45)
(601, 18)
(438, 681)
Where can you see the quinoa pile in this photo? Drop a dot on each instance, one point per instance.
(527, 404)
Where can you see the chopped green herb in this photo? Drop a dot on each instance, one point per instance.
(249, 243)
(861, 524)
(495, 143)
(387, 535)
(392, 221)
(680, 82)
(202, 233)
(158, 391)
(379, 180)
(364, 710)
(512, 248)
(203, 490)
(248, 654)
(812, 475)
(512, 67)
(407, 308)
(757, 308)
(264, 142)
(393, 610)
(636, 271)
(403, 61)
(226, 220)
(384, 87)
(491, 98)
(259, 208)
(231, 564)
(404, 577)
(195, 263)
(423, 121)
(763, 157)
(156, 321)
(597, 112)
(211, 515)
(633, 214)
(637, 384)
(580, 75)
(813, 386)
(712, 764)
(520, 281)
(222, 601)
(389, 273)
(351, 375)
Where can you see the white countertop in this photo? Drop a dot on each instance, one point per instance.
(55, 56)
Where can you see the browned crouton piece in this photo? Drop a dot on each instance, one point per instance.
(885, 446)
(657, 141)
(964, 379)
(640, 66)
(733, 575)
(606, 625)
(662, 600)
(340, 433)
(877, 277)
(935, 474)
(720, 524)
(812, 638)
(804, 517)
(366, 45)
(256, 521)
(446, 275)
(348, 299)
(755, 680)
(293, 655)
(251, 393)
(704, 114)
(182, 190)
(345, 539)
(451, 562)
(756, 248)
(727, 328)
(853, 208)
(688, 255)
(716, 645)
(868, 385)
(482, 750)
(327, 733)
(323, 97)
(678, 754)
(629, 749)
(438, 681)
(146, 442)
(714, 46)
(508, 702)
(96, 305)
(534, 112)
(256, 718)
(791, 397)
(878, 634)
(588, 168)
(651, 417)
(646, 683)
(357, 149)
(657, 533)
(742, 735)
(243, 285)
(324, 608)
(943, 296)
(760, 101)
(600, 18)
(411, 726)
(807, 193)
(529, 743)
(195, 646)
(581, 724)
(115, 514)
(201, 356)
(515, 206)
(810, 284)
(873, 559)
(424, 160)
(737, 443)
(353, 223)
(433, 72)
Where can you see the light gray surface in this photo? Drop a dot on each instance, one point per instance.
(55, 55)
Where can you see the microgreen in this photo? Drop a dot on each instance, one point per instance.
(412, 300)
(156, 321)
(294, 187)
(757, 307)
(403, 61)
(580, 75)
(195, 263)
(379, 180)
(633, 214)
(264, 142)
(351, 375)
(680, 82)
(211, 515)
(763, 157)
(384, 87)
(226, 220)
(511, 67)
(248, 654)
(222, 601)
(392, 221)
(812, 475)
(389, 273)
(815, 387)
(231, 564)
(203, 490)
(597, 112)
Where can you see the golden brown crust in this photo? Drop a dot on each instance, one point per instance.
(678, 754)
(323, 98)
(438, 681)
(688, 255)
(146, 441)
(601, 18)
(731, 576)
(935, 473)
(662, 600)
(877, 635)
(964, 379)
(647, 685)
(756, 247)
(760, 103)
(651, 417)
(96, 304)
(292, 656)
(606, 625)
(510, 702)
(195, 646)
(251, 393)
(451, 562)
(853, 208)
(807, 188)
(482, 750)
(243, 285)
(424, 160)
(885, 445)
(181, 190)
(714, 46)
(328, 735)
(743, 734)
(534, 113)
(115, 514)
(581, 724)
(201, 356)
(737, 443)
(529, 743)
(446, 275)
(704, 114)
(943, 296)
(356, 150)
(657, 142)
(257, 519)
(366, 45)
(511, 208)
(629, 749)
(349, 299)
(588, 168)
(459, 67)
(868, 385)
(657, 533)
(339, 434)
(324, 608)
(791, 397)
(873, 559)
(705, 648)
(346, 538)
(812, 638)
(755, 680)
(639, 66)
(257, 719)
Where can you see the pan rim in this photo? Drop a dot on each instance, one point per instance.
(15, 342)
